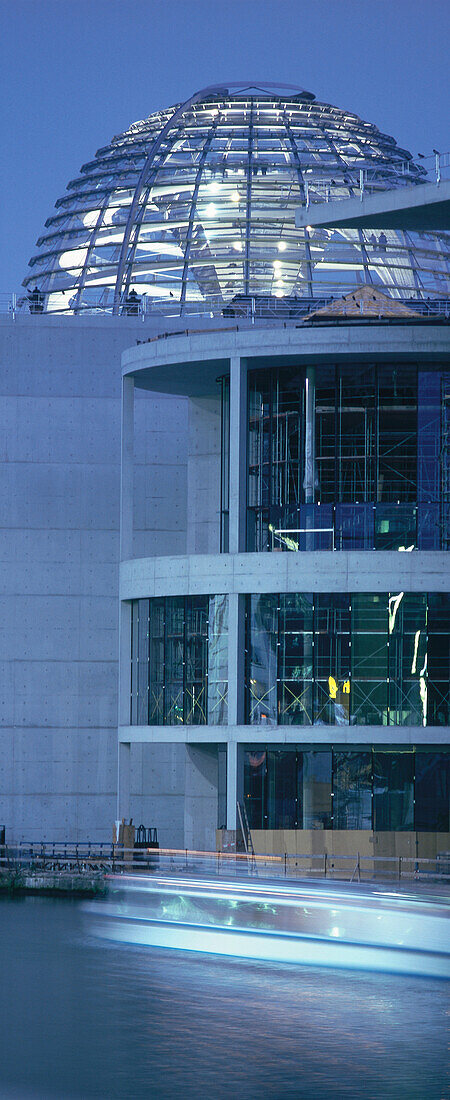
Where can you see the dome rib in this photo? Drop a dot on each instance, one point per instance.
(196, 204)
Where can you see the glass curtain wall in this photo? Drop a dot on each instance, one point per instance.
(338, 659)
(339, 788)
(378, 477)
(179, 655)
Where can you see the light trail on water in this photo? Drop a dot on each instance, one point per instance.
(321, 925)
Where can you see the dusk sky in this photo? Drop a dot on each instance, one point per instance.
(75, 74)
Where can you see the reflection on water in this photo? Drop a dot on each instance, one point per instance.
(87, 1018)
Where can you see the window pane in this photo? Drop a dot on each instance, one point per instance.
(295, 659)
(395, 526)
(262, 627)
(331, 659)
(352, 789)
(195, 659)
(255, 773)
(314, 783)
(393, 791)
(369, 660)
(326, 434)
(438, 659)
(134, 660)
(218, 660)
(156, 695)
(397, 447)
(143, 667)
(281, 790)
(356, 434)
(432, 792)
(407, 659)
(429, 457)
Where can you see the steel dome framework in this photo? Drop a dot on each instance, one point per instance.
(196, 204)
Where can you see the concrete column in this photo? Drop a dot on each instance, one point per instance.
(309, 481)
(238, 454)
(235, 784)
(127, 470)
(123, 782)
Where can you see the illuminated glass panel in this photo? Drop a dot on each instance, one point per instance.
(335, 658)
(407, 659)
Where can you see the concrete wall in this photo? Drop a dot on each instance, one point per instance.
(157, 784)
(60, 388)
(201, 787)
(203, 536)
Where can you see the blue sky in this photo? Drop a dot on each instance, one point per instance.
(75, 72)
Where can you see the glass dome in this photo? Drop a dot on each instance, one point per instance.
(196, 204)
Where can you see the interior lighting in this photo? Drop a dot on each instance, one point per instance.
(416, 646)
(214, 187)
(332, 687)
(235, 196)
(279, 293)
(308, 228)
(210, 210)
(276, 264)
(280, 282)
(281, 246)
(237, 246)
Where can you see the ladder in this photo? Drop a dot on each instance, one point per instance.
(247, 838)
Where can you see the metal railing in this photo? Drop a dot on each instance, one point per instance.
(264, 308)
(436, 165)
(109, 858)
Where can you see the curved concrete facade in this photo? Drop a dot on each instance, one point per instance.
(189, 365)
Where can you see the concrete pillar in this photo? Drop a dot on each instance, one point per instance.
(123, 781)
(232, 785)
(238, 455)
(127, 470)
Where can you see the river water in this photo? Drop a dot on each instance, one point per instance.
(82, 1018)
